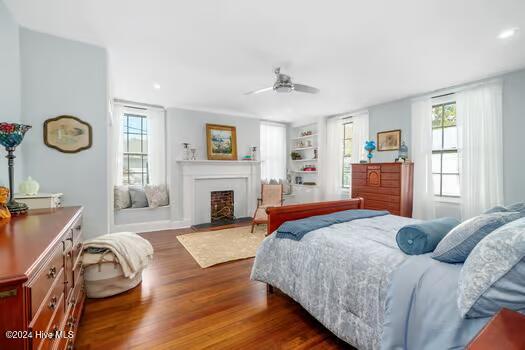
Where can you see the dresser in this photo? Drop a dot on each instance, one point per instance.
(41, 279)
(384, 186)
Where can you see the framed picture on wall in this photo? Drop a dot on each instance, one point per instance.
(67, 134)
(221, 142)
(388, 140)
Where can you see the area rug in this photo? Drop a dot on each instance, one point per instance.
(214, 247)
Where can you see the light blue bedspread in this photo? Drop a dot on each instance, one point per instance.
(421, 310)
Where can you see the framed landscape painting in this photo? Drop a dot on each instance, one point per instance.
(67, 134)
(389, 140)
(221, 141)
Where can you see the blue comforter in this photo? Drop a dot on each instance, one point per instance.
(421, 311)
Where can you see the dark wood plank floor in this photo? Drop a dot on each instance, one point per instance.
(181, 306)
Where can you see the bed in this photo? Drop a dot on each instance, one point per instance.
(354, 279)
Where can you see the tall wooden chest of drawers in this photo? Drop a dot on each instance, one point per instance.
(41, 279)
(384, 186)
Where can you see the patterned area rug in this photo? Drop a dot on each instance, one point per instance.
(215, 247)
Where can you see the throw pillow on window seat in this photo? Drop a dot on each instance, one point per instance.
(121, 197)
(157, 195)
(138, 197)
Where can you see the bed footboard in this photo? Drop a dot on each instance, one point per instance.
(278, 215)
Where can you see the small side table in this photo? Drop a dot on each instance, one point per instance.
(40, 200)
(506, 330)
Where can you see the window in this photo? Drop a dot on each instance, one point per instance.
(445, 160)
(347, 153)
(273, 151)
(135, 149)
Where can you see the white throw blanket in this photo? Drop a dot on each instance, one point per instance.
(133, 252)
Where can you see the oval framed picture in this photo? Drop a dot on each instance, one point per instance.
(67, 134)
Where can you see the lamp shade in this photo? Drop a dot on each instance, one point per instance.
(12, 134)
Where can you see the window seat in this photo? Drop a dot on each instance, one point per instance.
(142, 215)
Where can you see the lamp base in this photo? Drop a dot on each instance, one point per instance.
(16, 208)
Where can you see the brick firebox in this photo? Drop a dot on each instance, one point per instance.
(222, 206)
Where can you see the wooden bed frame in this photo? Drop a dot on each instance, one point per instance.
(278, 215)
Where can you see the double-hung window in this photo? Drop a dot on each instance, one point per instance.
(135, 149)
(445, 160)
(347, 154)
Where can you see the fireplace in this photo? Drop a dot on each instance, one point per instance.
(222, 207)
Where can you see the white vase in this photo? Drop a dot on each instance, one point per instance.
(29, 186)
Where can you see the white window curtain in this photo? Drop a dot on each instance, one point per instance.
(273, 151)
(117, 144)
(424, 207)
(479, 118)
(156, 145)
(331, 157)
(359, 136)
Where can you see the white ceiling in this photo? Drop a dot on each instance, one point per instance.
(206, 53)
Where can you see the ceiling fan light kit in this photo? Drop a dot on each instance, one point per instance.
(284, 84)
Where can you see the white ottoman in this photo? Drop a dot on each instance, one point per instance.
(103, 276)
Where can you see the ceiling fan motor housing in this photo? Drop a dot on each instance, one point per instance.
(283, 84)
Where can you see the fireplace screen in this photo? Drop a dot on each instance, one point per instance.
(222, 207)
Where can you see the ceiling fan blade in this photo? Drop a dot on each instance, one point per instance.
(259, 91)
(305, 88)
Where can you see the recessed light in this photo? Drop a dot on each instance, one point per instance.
(156, 86)
(507, 33)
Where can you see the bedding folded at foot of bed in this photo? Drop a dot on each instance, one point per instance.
(296, 229)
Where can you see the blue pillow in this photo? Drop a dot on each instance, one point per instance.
(513, 207)
(459, 242)
(493, 275)
(423, 238)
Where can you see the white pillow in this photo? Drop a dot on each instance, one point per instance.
(121, 197)
(157, 195)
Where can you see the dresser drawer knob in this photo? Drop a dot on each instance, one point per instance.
(71, 322)
(52, 273)
(53, 303)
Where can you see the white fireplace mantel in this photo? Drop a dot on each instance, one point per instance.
(243, 175)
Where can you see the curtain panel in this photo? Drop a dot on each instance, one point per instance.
(273, 151)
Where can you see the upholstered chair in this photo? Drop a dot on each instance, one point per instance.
(271, 196)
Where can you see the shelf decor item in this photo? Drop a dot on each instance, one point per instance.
(67, 134)
(221, 142)
(4, 196)
(370, 146)
(11, 135)
(187, 154)
(403, 151)
(388, 140)
(29, 186)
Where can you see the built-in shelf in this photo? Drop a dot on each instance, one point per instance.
(302, 148)
(303, 137)
(305, 160)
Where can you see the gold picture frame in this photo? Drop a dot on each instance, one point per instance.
(68, 134)
(221, 142)
(389, 140)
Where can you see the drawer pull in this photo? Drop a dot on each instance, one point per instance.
(53, 303)
(52, 273)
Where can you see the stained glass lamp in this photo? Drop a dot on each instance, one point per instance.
(11, 135)
(370, 146)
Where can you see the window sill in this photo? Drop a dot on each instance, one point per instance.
(448, 200)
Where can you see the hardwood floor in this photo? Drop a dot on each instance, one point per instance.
(181, 306)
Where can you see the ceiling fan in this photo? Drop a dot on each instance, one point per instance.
(283, 83)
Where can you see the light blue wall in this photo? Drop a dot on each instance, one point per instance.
(9, 86)
(61, 76)
(390, 116)
(396, 115)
